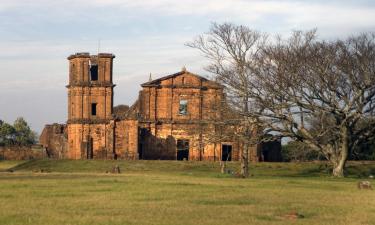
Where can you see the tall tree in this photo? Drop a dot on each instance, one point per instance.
(231, 51)
(302, 80)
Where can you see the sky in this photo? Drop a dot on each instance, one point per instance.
(36, 37)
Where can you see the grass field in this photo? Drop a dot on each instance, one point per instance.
(170, 192)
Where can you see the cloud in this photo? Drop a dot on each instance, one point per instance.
(333, 17)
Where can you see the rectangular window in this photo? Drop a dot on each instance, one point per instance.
(183, 107)
(94, 72)
(93, 109)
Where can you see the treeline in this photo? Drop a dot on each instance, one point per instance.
(17, 134)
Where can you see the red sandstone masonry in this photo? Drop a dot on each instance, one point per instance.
(153, 128)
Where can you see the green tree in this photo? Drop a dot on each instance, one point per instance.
(7, 134)
(23, 134)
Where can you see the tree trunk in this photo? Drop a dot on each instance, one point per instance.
(222, 167)
(340, 159)
(245, 152)
(245, 161)
(338, 169)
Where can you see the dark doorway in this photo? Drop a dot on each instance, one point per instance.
(90, 146)
(226, 153)
(94, 72)
(271, 151)
(182, 149)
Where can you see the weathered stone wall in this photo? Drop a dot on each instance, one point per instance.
(54, 140)
(126, 136)
(22, 152)
(160, 142)
(81, 98)
(91, 141)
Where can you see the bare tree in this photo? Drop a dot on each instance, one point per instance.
(311, 91)
(303, 81)
(231, 51)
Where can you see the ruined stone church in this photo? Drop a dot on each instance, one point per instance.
(173, 118)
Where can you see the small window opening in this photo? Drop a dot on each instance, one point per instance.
(183, 81)
(93, 109)
(183, 107)
(94, 72)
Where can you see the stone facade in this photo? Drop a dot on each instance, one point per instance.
(177, 114)
(173, 118)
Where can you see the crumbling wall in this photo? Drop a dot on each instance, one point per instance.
(160, 142)
(54, 139)
(22, 152)
(91, 141)
(157, 142)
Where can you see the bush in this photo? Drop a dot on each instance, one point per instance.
(298, 151)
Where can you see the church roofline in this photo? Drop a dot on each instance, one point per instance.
(87, 55)
(156, 82)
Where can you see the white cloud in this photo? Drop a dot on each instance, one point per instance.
(300, 12)
(332, 16)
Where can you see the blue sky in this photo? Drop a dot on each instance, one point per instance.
(36, 36)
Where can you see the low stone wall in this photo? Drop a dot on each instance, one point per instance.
(22, 153)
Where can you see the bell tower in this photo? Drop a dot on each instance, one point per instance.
(90, 105)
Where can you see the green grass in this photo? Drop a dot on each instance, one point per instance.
(170, 192)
